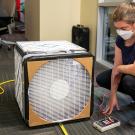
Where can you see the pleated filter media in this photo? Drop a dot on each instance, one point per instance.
(53, 86)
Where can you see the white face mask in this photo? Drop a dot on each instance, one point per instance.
(125, 34)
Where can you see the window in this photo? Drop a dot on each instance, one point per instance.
(109, 36)
(103, 1)
(106, 35)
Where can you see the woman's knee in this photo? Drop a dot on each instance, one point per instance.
(103, 79)
(99, 80)
(128, 82)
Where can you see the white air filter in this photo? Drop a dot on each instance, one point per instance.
(57, 85)
(60, 90)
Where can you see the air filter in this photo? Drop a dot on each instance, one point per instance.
(53, 82)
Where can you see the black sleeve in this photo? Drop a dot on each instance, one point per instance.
(119, 42)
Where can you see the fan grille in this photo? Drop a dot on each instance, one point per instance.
(60, 90)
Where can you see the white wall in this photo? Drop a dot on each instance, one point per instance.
(57, 18)
(89, 19)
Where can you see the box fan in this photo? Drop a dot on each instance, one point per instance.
(53, 82)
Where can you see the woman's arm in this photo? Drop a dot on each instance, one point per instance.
(127, 69)
(116, 75)
(115, 80)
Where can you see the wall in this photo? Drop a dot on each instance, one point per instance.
(57, 18)
(32, 19)
(51, 19)
(89, 19)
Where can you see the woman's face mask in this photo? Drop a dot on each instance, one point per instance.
(125, 34)
(125, 30)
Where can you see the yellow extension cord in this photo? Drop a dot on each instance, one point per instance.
(2, 92)
(1, 89)
(63, 129)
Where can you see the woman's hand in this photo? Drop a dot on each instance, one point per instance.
(111, 104)
(116, 76)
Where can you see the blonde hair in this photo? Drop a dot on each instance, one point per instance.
(125, 12)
